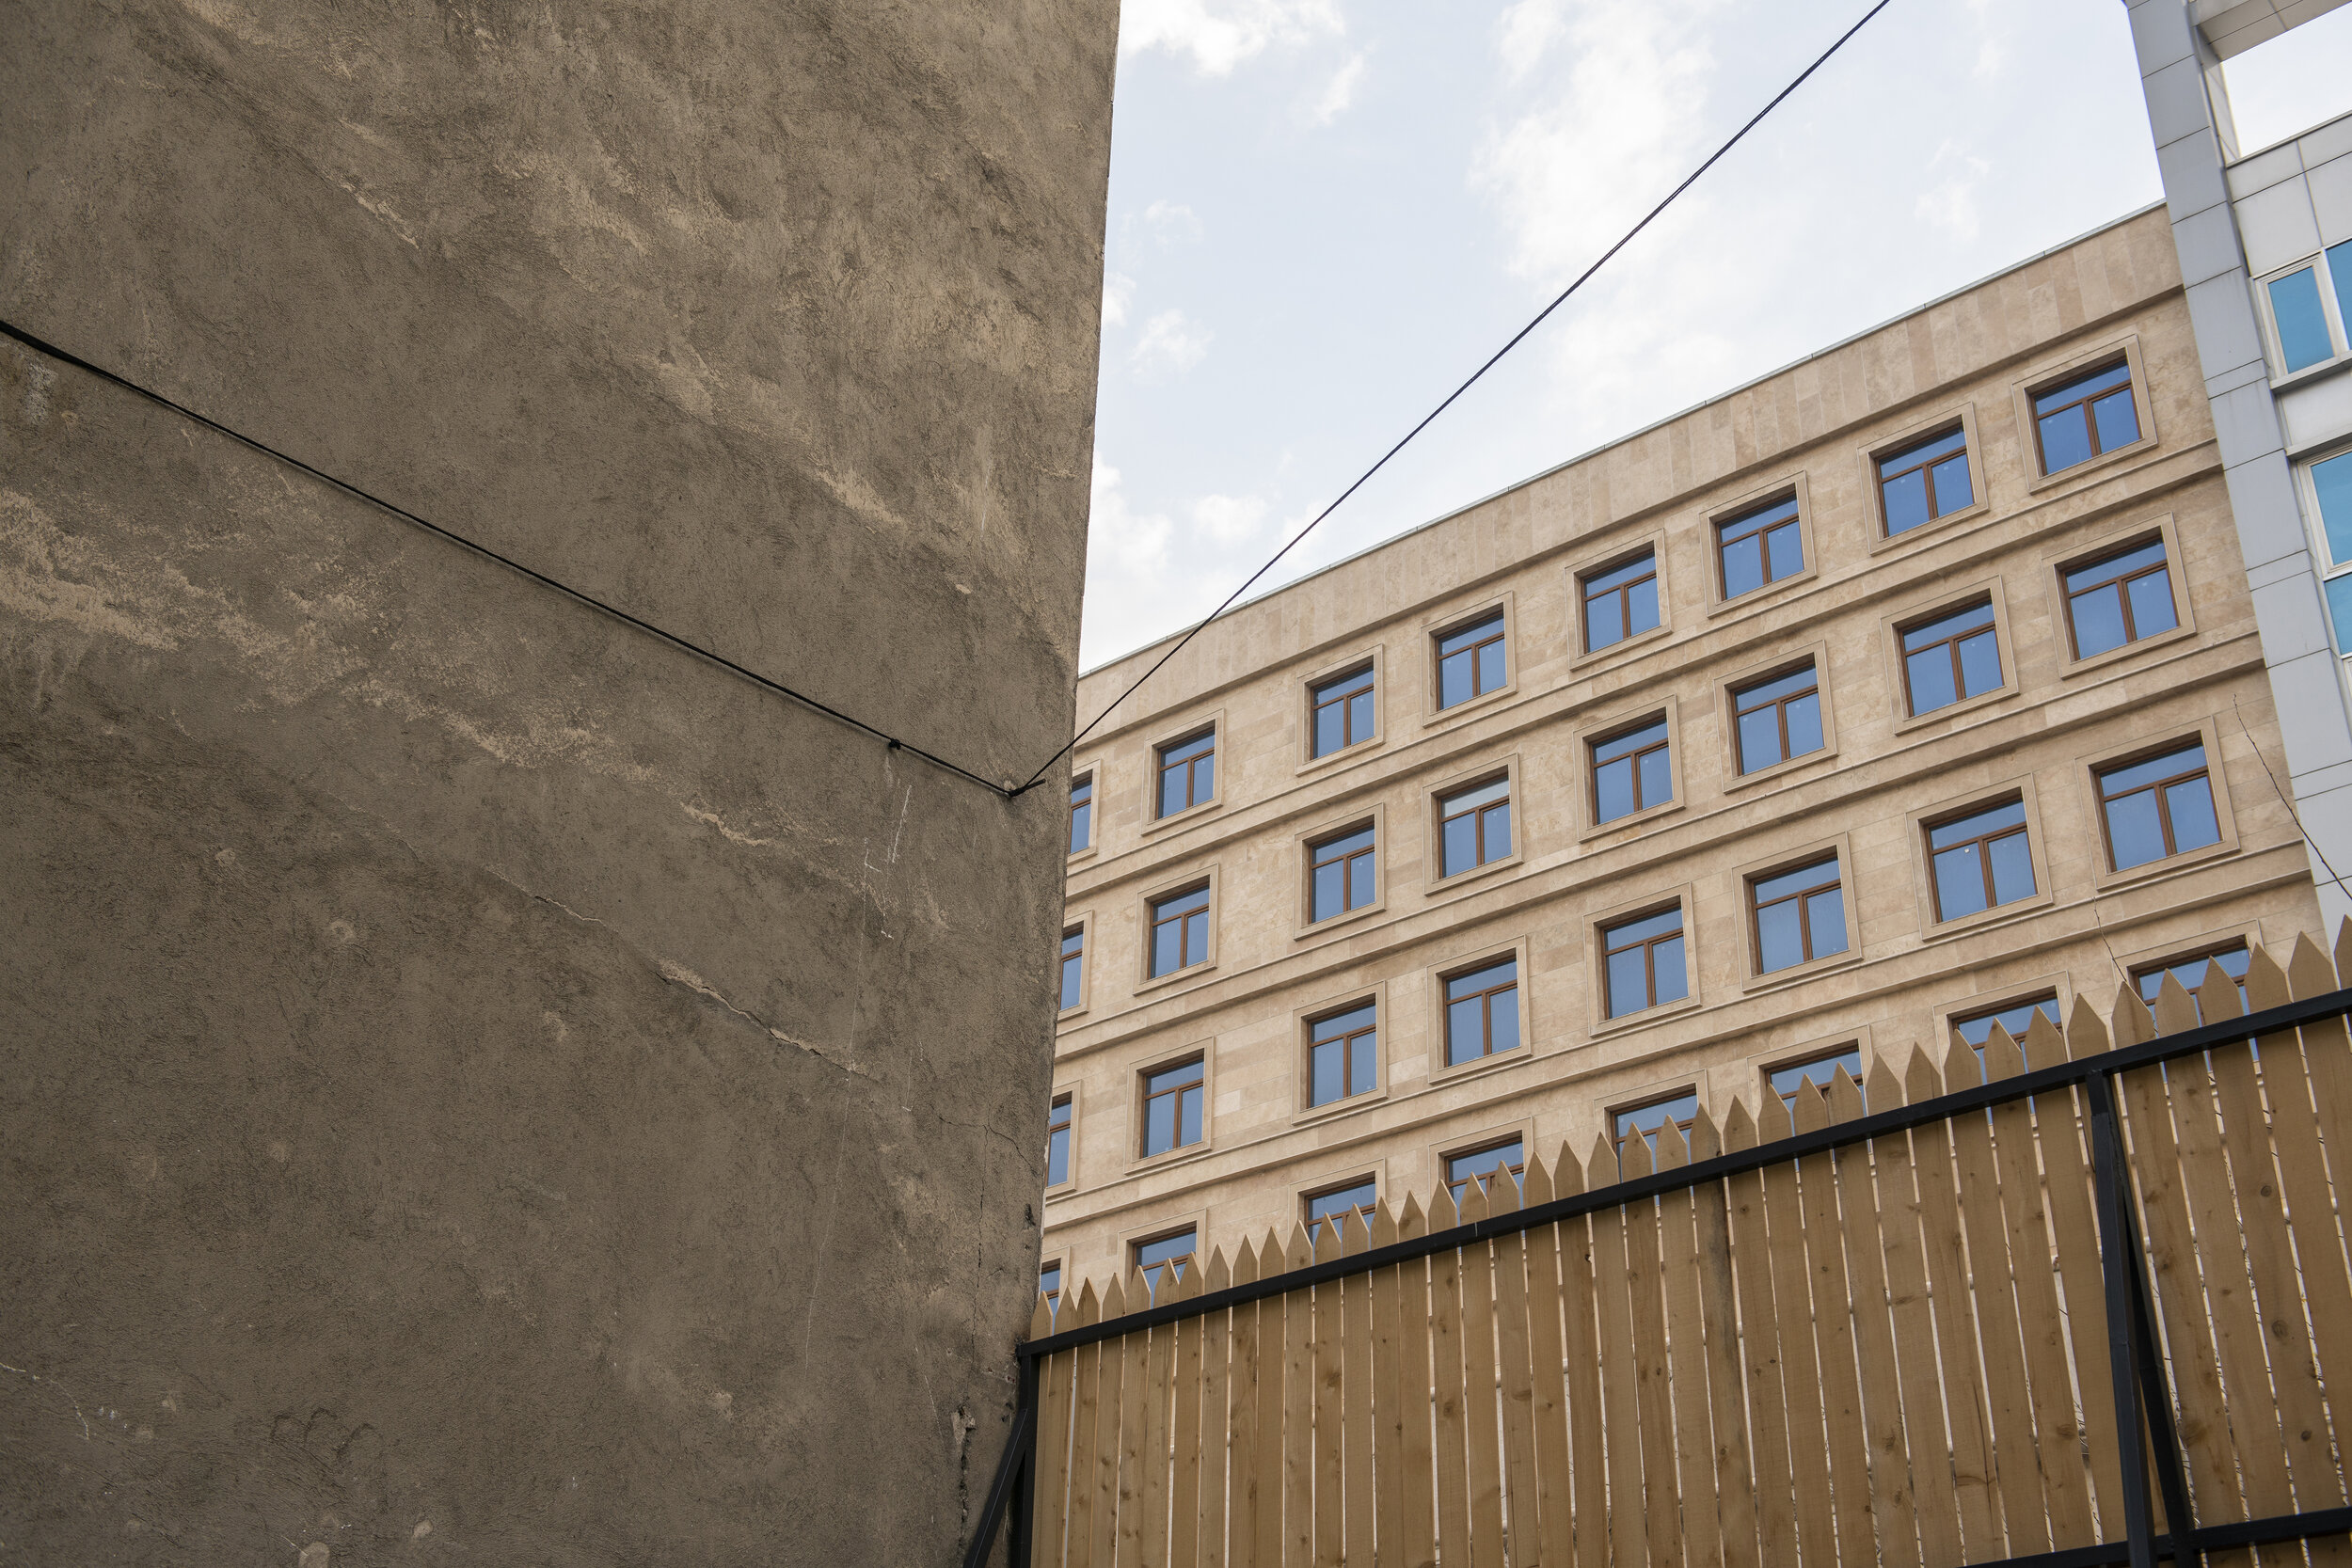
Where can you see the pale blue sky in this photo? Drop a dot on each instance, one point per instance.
(1325, 212)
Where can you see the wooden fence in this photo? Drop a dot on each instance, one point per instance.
(1910, 1336)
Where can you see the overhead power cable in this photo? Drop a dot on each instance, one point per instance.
(52, 351)
(1430, 417)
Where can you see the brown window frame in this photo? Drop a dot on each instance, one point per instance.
(1751, 519)
(1369, 1037)
(1519, 1172)
(1649, 960)
(1937, 512)
(1345, 702)
(1623, 594)
(1316, 861)
(1065, 1106)
(1083, 781)
(1479, 828)
(2140, 973)
(1307, 1201)
(1143, 1127)
(1837, 1054)
(1068, 955)
(1155, 920)
(1485, 1000)
(1053, 1297)
(1162, 767)
(1780, 715)
(1618, 1136)
(1984, 842)
(2164, 807)
(1176, 1262)
(1804, 925)
(1663, 723)
(1904, 653)
(2122, 585)
(1499, 620)
(2130, 389)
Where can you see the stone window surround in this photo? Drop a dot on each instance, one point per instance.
(1142, 1233)
(1895, 623)
(1684, 897)
(1101, 802)
(1083, 919)
(1998, 998)
(1074, 1093)
(1302, 1017)
(2025, 388)
(1374, 1171)
(1376, 659)
(1169, 887)
(1763, 1063)
(2056, 563)
(1594, 731)
(1636, 1096)
(1620, 551)
(1743, 878)
(1434, 884)
(1964, 416)
(1374, 816)
(1475, 957)
(1794, 481)
(1487, 1136)
(1784, 662)
(2205, 731)
(1438, 626)
(1917, 823)
(2182, 949)
(1206, 1052)
(1212, 724)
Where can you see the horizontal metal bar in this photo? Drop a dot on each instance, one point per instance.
(1979, 1097)
(2211, 1538)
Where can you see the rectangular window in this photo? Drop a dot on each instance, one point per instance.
(1058, 1143)
(1342, 872)
(1925, 481)
(1820, 1073)
(1180, 931)
(2193, 973)
(1621, 602)
(1343, 712)
(1644, 960)
(2331, 486)
(1778, 718)
(1343, 1056)
(1759, 547)
(1171, 1106)
(2089, 415)
(1163, 1260)
(1481, 1013)
(1474, 827)
(1460, 1169)
(2158, 807)
(2017, 1018)
(1188, 773)
(1981, 860)
(2301, 320)
(1082, 813)
(1471, 662)
(1359, 1198)
(1049, 1286)
(1631, 771)
(1799, 916)
(2121, 598)
(1073, 966)
(1643, 1121)
(1953, 658)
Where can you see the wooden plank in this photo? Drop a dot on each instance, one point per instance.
(2061, 1128)
(1800, 1360)
(2041, 1332)
(2303, 1186)
(1242, 1380)
(1134, 1404)
(1934, 1169)
(1416, 1508)
(1589, 1511)
(1216, 1420)
(1833, 1336)
(1069, 1530)
(1103, 1512)
(1912, 1319)
(1445, 1354)
(1356, 1389)
(2009, 1404)
(1548, 1404)
(2200, 1416)
(1734, 1478)
(1328, 1347)
(1184, 1393)
(1686, 1336)
(1298, 1411)
(1275, 1315)
(1894, 1519)
(1620, 1376)
(1652, 1374)
(1482, 1433)
(1759, 1344)
(1515, 1391)
(1159, 1355)
(1387, 1476)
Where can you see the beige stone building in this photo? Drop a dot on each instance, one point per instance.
(1911, 684)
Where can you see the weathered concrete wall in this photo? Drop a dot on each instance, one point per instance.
(478, 1084)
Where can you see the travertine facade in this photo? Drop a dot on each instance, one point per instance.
(1881, 780)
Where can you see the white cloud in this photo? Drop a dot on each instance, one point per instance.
(1119, 292)
(1170, 345)
(1171, 221)
(1523, 33)
(1342, 90)
(1219, 35)
(1229, 519)
(1119, 542)
(1949, 206)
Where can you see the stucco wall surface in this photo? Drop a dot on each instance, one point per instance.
(477, 1082)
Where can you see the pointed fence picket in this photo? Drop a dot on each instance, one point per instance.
(1891, 1348)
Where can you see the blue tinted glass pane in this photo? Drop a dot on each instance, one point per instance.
(1330, 728)
(2332, 480)
(1167, 947)
(1952, 487)
(1649, 1118)
(1470, 636)
(1326, 1071)
(1826, 911)
(1340, 848)
(1453, 680)
(2119, 421)
(2339, 608)
(1503, 1013)
(1667, 970)
(1979, 664)
(2191, 808)
(2082, 387)
(1788, 881)
(1644, 599)
(2098, 620)
(1071, 970)
(1491, 676)
(1204, 779)
(2065, 439)
(1641, 930)
(1483, 794)
(1463, 1036)
(1187, 1072)
(2012, 869)
(1612, 790)
(1632, 740)
(1780, 685)
(2134, 830)
(1359, 714)
(1331, 889)
(1159, 1125)
(1617, 577)
(1744, 566)
(1976, 824)
(1822, 1072)
(1171, 791)
(2302, 325)
(2152, 603)
(1192, 748)
(1604, 624)
(1657, 780)
(1363, 1071)
(1167, 1247)
(1629, 983)
(1759, 740)
(1493, 974)
(1359, 882)
(1906, 501)
(1501, 1156)
(1344, 1024)
(1081, 828)
(1461, 844)
(1788, 550)
(2340, 269)
(1931, 684)
(2115, 566)
(1058, 1157)
(1778, 942)
(1958, 882)
(1188, 1124)
(2124, 778)
(1803, 717)
(1946, 626)
(1196, 939)
(1497, 821)
(2017, 1019)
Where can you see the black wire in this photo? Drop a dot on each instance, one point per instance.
(1457, 391)
(38, 346)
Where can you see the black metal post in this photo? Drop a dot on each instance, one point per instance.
(2117, 1258)
(1012, 1470)
(1024, 1484)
